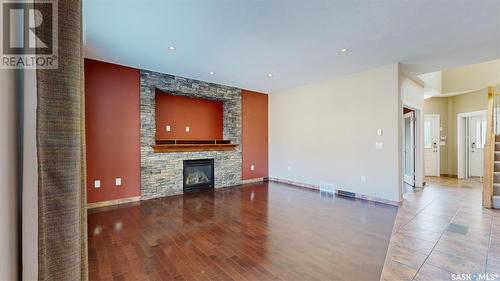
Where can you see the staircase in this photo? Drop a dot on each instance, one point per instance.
(491, 170)
(496, 178)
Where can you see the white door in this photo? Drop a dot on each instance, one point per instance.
(476, 138)
(409, 148)
(431, 145)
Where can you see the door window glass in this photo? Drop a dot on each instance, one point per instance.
(480, 133)
(427, 134)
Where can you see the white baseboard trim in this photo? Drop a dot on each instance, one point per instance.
(355, 195)
(113, 202)
(300, 184)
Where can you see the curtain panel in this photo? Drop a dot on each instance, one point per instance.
(60, 136)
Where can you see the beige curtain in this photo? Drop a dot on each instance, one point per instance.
(62, 241)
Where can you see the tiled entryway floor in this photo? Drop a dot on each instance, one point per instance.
(442, 230)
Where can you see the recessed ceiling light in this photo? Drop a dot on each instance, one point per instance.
(211, 73)
(344, 50)
(171, 48)
(269, 75)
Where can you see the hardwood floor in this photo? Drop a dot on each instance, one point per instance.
(264, 231)
(443, 230)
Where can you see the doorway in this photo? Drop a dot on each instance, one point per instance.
(409, 146)
(431, 145)
(471, 138)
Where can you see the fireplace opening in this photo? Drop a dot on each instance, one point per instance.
(198, 175)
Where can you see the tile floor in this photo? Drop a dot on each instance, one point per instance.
(442, 230)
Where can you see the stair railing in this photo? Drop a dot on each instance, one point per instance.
(489, 148)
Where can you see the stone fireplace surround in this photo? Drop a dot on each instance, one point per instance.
(162, 173)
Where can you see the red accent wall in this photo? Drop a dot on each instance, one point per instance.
(204, 117)
(112, 97)
(112, 109)
(254, 134)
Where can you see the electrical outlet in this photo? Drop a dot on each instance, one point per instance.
(252, 167)
(97, 184)
(187, 128)
(167, 128)
(289, 168)
(379, 145)
(118, 181)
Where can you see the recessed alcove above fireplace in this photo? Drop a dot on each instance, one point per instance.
(187, 124)
(162, 173)
(188, 118)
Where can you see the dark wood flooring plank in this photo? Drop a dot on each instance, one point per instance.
(261, 231)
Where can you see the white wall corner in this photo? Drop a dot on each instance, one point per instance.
(341, 116)
(413, 96)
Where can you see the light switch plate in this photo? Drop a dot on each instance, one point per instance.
(118, 181)
(252, 167)
(167, 128)
(363, 178)
(97, 184)
(379, 145)
(380, 132)
(187, 128)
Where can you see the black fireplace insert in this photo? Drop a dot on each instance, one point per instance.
(198, 175)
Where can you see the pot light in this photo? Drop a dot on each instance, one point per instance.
(344, 50)
(269, 75)
(211, 73)
(171, 48)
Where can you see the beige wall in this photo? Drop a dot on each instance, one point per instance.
(440, 106)
(471, 77)
(448, 108)
(326, 132)
(8, 164)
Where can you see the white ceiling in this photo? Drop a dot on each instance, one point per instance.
(297, 41)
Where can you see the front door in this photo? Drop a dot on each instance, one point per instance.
(431, 145)
(475, 142)
(409, 148)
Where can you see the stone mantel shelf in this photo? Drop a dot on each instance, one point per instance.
(166, 146)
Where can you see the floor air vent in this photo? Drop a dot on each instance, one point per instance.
(346, 193)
